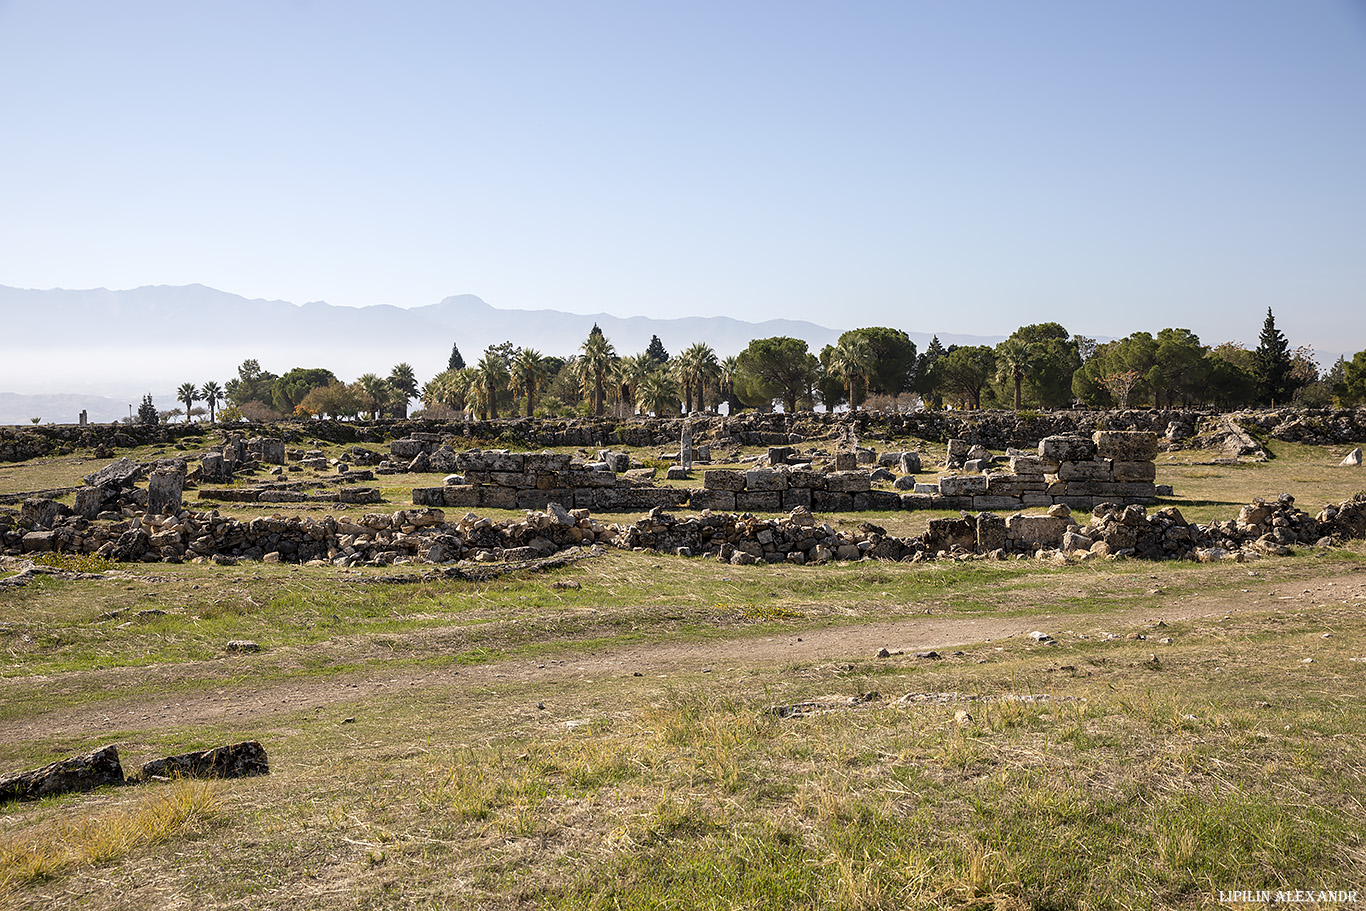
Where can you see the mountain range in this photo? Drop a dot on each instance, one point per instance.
(101, 350)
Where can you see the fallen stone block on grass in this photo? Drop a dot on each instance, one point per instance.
(238, 760)
(79, 773)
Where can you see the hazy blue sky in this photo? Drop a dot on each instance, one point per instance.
(937, 166)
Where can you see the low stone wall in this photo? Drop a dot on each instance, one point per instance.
(994, 429)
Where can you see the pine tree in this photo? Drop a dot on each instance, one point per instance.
(1272, 364)
(147, 412)
(657, 351)
(456, 362)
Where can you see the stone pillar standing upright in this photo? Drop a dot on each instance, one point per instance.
(685, 447)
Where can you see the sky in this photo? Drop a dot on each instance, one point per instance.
(937, 167)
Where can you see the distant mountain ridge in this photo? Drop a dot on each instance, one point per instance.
(110, 347)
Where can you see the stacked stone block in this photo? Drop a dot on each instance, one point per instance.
(498, 479)
(1070, 469)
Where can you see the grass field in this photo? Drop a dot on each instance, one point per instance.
(620, 732)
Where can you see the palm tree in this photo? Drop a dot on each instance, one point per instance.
(529, 370)
(492, 376)
(692, 368)
(726, 377)
(1014, 358)
(450, 388)
(658, 392)
(594, 364)
(188, 394)
(708, 371)
(851, 359)
(631, 371)
(404, 384)
(375, 393)
(212, 394)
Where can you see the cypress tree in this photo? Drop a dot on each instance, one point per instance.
(1272, 364)
(456, 362)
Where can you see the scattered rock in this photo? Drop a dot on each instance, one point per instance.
(238, 760)
(79, 773)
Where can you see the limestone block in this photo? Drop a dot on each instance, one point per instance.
(164, 489)
(519, 480)
(794, 497)
(765, 479)
(963, 485)
(497, 497)
(235, 761)
(846, 461)
(781, 455)
(429, 496)
(1028, 499)
(958, 450)
(917, 501)
(830, 501)
(1038, 531)
(1134, 471)
(806, 477)
(759, 501)
(405, 450)
(536, 498)
(79, 773)
(719, 500)
(500, 460)
(1126, 445)
(848, 481)
(1353, 460)
(39, 541)
(905, 482)
(273, 451)
(466, 495)
(947, 533)
(996, 501)
(877, 499)
(547, 461)
(723, 479)
(1067, 448)
(991, 532)
(1005, 485)
(1033, 466)
(1079, 503)
(1095, 470)
(975, 465)
(926, 488)
(909, 462)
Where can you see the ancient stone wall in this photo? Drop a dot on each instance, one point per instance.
(993, 429)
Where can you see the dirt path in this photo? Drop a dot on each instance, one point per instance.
(236, 698)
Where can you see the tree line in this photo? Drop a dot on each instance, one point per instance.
(1039, 366)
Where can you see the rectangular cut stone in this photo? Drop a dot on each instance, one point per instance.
(953, 502)
(963, 485)
(546, 461)
(1067, 448)
(536, 499)
(991, 532)
(1096, 470)
(880, 499)
(796, 496)
(1134, 471)
(925, 488)
(759, 501)
(917, 500)
(831, 501)
(723, 479)
(513, 479)
(1005, 485)
(1126, 445)
(988, 501)
(719, 500)
(429, 496)
(461, 495)
(805, 477)
(848, 481)
(505, 461)
(576, 477)
(478, 476)
(1036, 499)
(548, 480)
(761, 479)
(497, 497)
(1032, 465)
(1081, 504)
(1038, 531)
